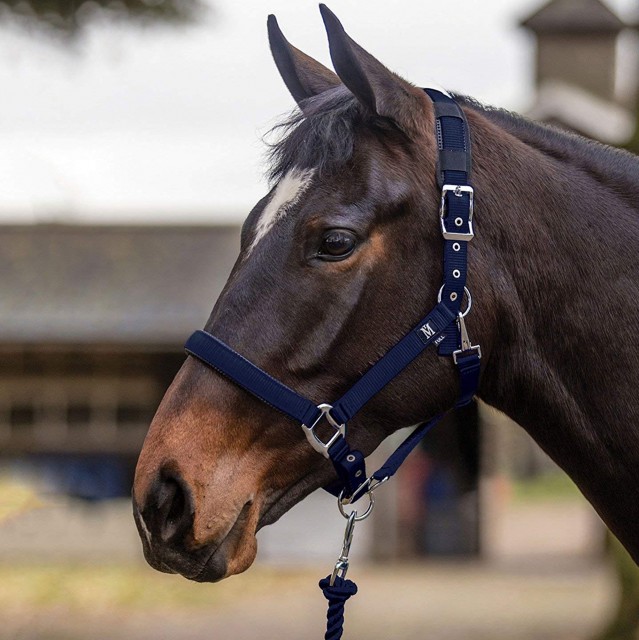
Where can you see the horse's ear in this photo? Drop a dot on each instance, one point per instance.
(376, 87)
(303, 76)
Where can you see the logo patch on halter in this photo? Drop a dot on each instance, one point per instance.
(427, 330)
(426, 334)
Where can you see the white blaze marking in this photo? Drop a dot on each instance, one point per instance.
(287, 193)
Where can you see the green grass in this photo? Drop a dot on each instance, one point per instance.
(555, 486)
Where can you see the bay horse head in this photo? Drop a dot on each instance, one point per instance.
(337, 262)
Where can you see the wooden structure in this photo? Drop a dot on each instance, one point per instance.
(93, 322)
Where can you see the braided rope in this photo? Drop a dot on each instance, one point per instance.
(337, 595)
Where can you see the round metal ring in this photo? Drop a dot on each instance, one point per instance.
(469, 298)
(357, 518)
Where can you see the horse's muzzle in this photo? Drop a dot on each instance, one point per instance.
(165, 524)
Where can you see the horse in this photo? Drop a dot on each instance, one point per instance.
(343, 256)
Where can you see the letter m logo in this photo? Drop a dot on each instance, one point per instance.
(427, 331)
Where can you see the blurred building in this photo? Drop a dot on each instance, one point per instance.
(93, 323)
(576, 70)
(93, 319)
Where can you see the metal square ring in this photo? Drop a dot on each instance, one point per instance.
(311, 436)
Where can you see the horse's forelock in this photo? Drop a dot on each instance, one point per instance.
(320, 138)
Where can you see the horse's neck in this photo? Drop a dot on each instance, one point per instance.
(558, 246)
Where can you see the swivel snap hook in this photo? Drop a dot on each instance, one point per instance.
(341, 566)
(466, 344)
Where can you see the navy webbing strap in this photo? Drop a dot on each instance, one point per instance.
(453, 177)
(231, 364)
(395, 460)
(393, 362)
(453, 170)
(468, 366)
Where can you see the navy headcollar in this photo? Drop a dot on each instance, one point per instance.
(444, 326)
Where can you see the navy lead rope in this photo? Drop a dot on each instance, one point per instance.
(444, 327)
(337, 594)
(336, 588)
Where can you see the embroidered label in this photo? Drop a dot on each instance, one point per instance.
(426, 334)
(427, 330)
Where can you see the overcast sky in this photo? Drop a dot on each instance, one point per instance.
(164, 124)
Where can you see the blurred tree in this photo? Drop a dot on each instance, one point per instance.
(69, 17)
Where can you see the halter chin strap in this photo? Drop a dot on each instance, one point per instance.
(444, 326)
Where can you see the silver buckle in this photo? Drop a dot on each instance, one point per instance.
(311, 436)
(457, 189)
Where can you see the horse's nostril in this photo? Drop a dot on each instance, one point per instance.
(178, 505)
(168, 513)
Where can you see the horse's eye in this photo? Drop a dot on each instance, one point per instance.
(337, 244)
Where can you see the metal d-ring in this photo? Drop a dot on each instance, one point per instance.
(357, 518)
(368, 486)
(468, 297)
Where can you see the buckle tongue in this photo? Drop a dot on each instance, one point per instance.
(312, 437)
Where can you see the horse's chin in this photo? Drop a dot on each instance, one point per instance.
(209, 562)
(225, 562)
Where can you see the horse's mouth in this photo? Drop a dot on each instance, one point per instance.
(236, 551)
(207, 563)
(217, 566)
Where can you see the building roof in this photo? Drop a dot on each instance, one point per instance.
(76, 284)
(574, 16)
